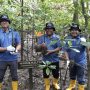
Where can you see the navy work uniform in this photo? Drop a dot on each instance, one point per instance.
(77, 71)
(52, 42)
(9, 47)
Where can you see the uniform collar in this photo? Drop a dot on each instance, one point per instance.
(51, 35)
(77, 37)
(9, 30)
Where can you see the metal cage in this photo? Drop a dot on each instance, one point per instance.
(29, 57)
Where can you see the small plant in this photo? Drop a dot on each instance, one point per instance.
(67, 43)
(48, 66)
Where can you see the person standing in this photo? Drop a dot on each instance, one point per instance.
(10, 44)
(51, 54)
(77, 71)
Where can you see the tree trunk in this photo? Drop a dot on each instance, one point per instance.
(84, 14)
(75, 15)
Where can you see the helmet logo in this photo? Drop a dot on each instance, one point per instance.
(4, 17)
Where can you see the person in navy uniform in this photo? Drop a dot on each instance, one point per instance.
(77, 71)
(51, 54)
(10, 44)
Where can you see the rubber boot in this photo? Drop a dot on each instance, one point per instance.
(47, 83)
(55, 84)
(81, 87)
(72, 85)
(0, 86)
(14, 85)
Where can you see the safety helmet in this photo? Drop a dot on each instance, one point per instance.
(49, 26)
(75, 26)
(4, 18)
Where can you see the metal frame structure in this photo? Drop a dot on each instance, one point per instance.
(29, 58)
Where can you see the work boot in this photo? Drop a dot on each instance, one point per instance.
(14, 85)
(81, 87)
(47, 83)
(71, 85)
(55, 84)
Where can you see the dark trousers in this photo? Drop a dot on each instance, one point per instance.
(13, 69)
(77, 72)
(55, 72)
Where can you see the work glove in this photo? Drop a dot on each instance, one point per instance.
(14, 52)
(68, 62)
(10, 48)
(82, 39)
(83, 42)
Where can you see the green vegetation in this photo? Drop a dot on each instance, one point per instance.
(33, 14)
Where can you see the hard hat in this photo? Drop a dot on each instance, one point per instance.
(49, 26)
(75, 26)
(4, 18)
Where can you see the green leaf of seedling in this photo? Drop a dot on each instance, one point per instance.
(52, 67)
(53, 42)
(44, 62)
(69, 43)
(42, 66)
(48, 63)
(69, 39)
(63, 43)
(76, 50)
(47, 71)
(87, 44)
